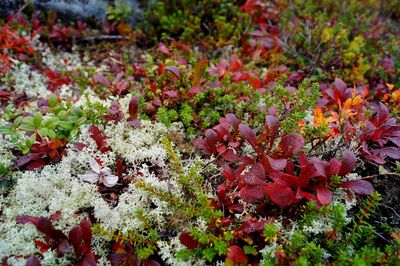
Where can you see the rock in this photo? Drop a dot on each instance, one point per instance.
(8, 7)
(86, 10)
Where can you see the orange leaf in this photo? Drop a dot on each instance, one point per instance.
(199, 71)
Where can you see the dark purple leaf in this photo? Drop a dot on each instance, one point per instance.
(134, 123)
(64, 247)
(24, 219)
(391, 152)
(171, 94)
(174, 70)
(133, 107)
(99, 78)
(89, 260)
(359, 186)
(195, 90)
(339, 84)
(32, 261)
(232, 120)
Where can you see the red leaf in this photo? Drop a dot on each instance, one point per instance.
(80, 146)
(174, 70)
(33, 261)
(291, 144)
(171, 94)
(88, 260)
(195, 90)
(359, 186)
(280, 195)
(202, 145)
(43, 247)
(236, 254)
(255, 175)
(100, 139)
(56, 216)
(324, 195)
(35, 165)
(228, 154)
(277, 164)
(235, 64)
(86, 227)
(252, 193)
(272, 128)
(75, 238)
(188, 241)
(348, 163)
(133, 107)
(248, 135)
(150, 263)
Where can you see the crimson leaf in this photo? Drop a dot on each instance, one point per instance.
(348, 163)
(236, 254)
(324, 195)
(188, 241)
(248, 135)
(291, 144)
(255, 175)
(280, 195)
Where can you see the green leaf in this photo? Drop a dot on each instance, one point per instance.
(74, 133)
(6, 130)
(18, 121)
(51, 122)
(28, 120)
(66, 125)
(44, 132)
(52, 134)
(249, 250)
(37, 119)
(72, 119)
(53, 101)
(26, 127)
(209, 254)
(62, 115)
(29, 141)
(80, 121)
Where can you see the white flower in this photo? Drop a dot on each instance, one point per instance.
(99, 173)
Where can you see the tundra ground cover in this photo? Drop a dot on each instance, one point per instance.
(217, 132)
